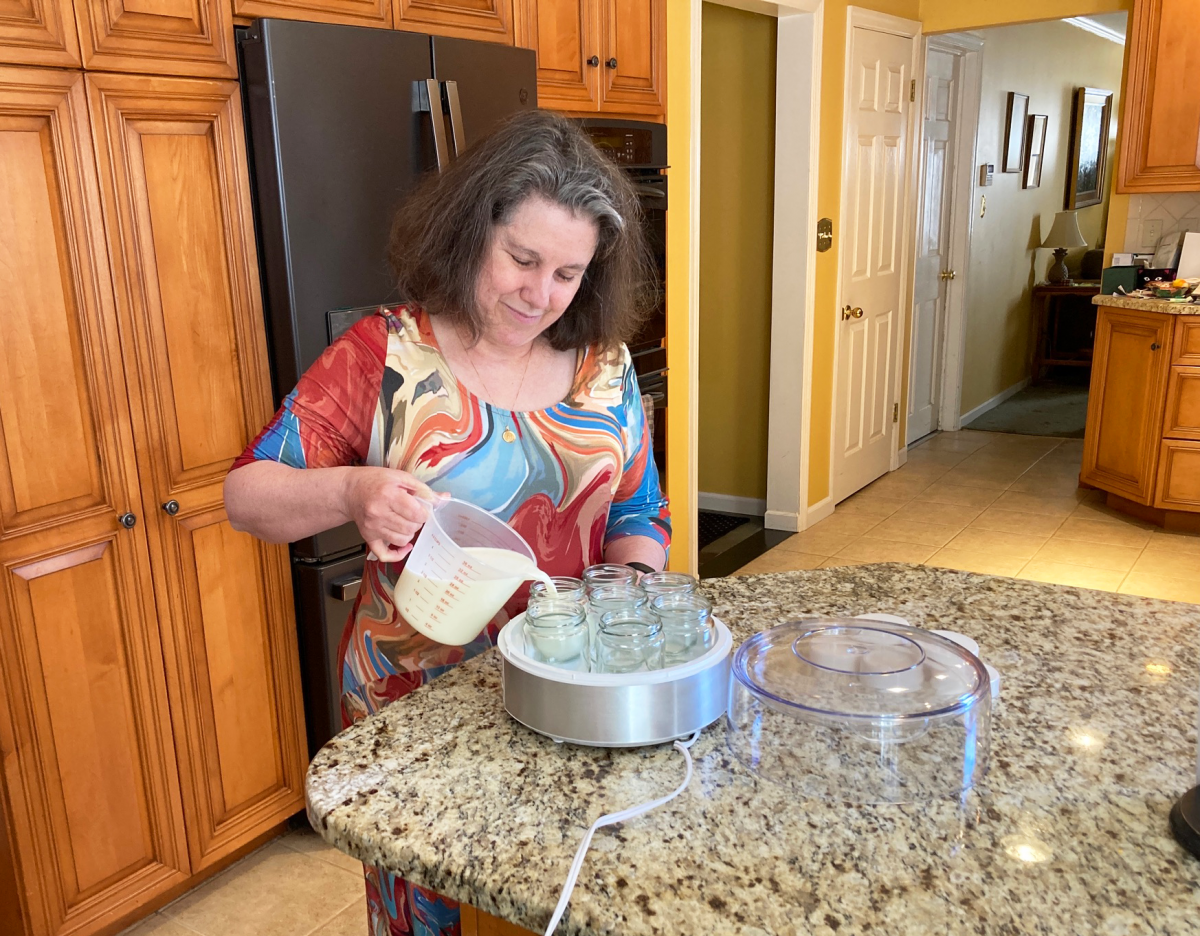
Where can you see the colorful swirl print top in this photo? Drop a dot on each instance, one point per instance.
(575, 476)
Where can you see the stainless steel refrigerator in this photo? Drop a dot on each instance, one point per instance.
(342, 121)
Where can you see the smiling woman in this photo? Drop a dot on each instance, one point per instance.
(501, 380)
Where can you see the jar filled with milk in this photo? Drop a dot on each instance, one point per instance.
(556, 632)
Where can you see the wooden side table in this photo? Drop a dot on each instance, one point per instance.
(1047, 307)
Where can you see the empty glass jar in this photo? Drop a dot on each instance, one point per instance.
(608, 573)
(688, 629)
(565, 585)
(667, 583)
(628, 641)
(556, 632)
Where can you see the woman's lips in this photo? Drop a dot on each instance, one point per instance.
(522, 316)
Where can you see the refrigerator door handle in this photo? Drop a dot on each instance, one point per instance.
(458, 135)
(427, 96)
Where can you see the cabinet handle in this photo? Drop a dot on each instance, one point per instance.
(612, 62)
(1155, 346)
(128, 520)
(171, 507)
(594, 61)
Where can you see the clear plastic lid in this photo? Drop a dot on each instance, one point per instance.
(859, 671)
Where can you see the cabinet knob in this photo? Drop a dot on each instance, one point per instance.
(612, 62)
(171, 507)
(594, 61)
(1155, 346)
(128, 520)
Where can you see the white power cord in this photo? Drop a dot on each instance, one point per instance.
(613, 819)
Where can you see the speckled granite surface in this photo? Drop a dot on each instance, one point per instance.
(1093, 739)
(1147, 305)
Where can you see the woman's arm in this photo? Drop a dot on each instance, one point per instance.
(280, 504)
(637, 549)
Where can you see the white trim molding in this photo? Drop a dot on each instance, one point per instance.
(994, 401)
(732, 503)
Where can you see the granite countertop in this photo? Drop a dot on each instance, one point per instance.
(1093, 740)
(1148, 305)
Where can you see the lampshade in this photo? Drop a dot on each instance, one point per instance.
(1065, 231)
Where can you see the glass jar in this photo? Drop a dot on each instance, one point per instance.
(668, 583)
(605, 598)
(566, 587)
(556, 632)
(608, 573)
(688, 630)
(629, 641)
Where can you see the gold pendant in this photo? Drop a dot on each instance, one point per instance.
(509, 436)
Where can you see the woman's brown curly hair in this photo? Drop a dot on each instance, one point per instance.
(441, 234)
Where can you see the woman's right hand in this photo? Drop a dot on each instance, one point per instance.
(389, 506)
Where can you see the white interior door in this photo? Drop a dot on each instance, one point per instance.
(933, 270)
(875, 179)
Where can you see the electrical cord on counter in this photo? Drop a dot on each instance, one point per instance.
(613, 819)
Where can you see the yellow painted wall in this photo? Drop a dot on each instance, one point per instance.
(1046, 61)
(680, 332)
(956, 15)
(737, 165)
(829, 196)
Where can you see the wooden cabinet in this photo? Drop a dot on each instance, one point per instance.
(89, 768)
(38, 32)
(1160, 109)
(150, 716)
(597, 55)
(1126, 400)
(1179, 476)
(347, 12)
(491, 20)
(174, 177)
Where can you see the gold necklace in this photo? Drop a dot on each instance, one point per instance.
(508, 435)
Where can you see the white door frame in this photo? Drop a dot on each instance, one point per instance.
(857, 17)
(969, 48)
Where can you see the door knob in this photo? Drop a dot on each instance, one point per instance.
(594, 61)
(947, 274)
(171, 507)
(849, 313)
(612, 62)
(128, 520)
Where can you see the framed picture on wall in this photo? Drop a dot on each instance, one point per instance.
(1035, 149)
(1014, 131)
(1087, 154)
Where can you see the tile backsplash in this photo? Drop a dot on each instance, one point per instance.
(1170, 211)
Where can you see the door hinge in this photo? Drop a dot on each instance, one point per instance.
(912, 90)
(895, 412)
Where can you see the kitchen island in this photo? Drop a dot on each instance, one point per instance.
(1093, 739)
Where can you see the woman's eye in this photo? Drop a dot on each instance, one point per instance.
(566, 277)
(522, 263)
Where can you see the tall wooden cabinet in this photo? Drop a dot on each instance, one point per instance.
(1160, 109)
(150, 719)
(597, 55)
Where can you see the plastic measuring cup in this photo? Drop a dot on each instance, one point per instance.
(464, 565)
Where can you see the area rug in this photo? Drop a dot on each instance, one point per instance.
(1051, 408)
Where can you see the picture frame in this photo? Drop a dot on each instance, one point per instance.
(1014, 131)
(1035, 151)
(1087, 152)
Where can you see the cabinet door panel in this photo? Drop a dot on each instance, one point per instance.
(1183, 404)
(165, 37)
(96, 822)
(173, 170)
(1179, 476)
(1126, 401)
(491, 20)
(38, 32)
(634, 34)
(564, 34)
(1187, 342)
(1161, 106)
(347, 12)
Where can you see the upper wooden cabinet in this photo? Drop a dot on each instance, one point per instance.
(165, 37)
(346, 12)
(491, 20)
(597, 55)
(1160, 145)
(173, 174)
(38, 32)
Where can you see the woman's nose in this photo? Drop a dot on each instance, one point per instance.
(537, 288)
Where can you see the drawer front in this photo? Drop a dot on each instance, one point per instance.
(1187, 341)
(1179, 476)
(1183, 404)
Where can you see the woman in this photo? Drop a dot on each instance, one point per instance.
(503, 381)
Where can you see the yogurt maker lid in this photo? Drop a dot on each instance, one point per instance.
(855, 670)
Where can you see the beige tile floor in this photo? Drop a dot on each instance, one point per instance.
(1003, 505)
(979, 501)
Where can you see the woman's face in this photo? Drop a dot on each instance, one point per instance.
(532, 270)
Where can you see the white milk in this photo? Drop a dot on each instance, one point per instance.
(455, 611)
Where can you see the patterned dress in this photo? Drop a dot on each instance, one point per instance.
(575, 477)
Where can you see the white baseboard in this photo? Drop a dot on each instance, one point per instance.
(819, 511)
(729, 503)
(967, 418)
(782, 520)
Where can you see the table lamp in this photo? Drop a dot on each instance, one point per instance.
(1064, 234)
